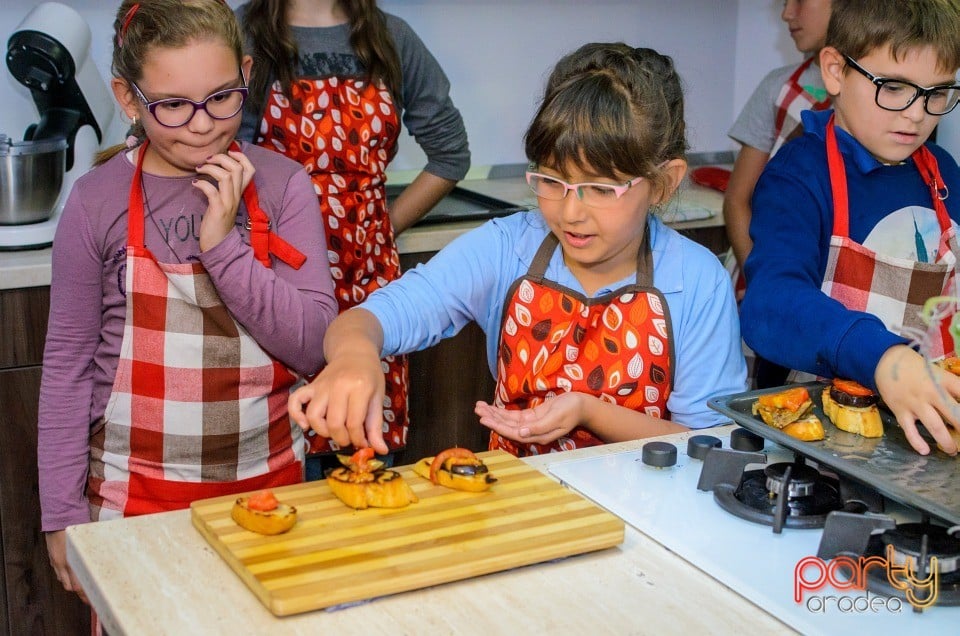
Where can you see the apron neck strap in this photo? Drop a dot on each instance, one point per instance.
(924, 160)
(644, 278)
(263, 241)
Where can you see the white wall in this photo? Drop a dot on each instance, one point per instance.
(497, 54)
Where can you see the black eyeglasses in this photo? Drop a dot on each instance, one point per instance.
(897, 95)
(175, 112)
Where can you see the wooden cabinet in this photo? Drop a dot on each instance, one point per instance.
(32, 601)
(446, 380)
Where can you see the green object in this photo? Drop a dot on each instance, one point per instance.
(929, 317)
(816, 92)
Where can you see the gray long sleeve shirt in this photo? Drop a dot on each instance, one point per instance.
(428, 113)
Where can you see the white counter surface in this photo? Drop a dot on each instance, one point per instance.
(32, 268)
(156, 575)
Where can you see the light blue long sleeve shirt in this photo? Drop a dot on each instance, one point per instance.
(469, 279)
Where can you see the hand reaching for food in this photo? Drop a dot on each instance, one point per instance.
(912, 394)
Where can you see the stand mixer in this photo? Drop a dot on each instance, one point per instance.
(49, 53)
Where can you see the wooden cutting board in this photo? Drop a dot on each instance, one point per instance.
(337, 555)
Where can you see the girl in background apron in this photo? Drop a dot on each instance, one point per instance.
(345, 132)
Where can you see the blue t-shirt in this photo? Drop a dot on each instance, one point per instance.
(785, 316)
(469, 279)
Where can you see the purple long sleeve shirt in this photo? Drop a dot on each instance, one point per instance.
(287, 311)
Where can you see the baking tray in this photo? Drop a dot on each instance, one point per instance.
(461, 205)
(889, 464)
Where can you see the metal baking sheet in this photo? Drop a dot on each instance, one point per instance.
(462, 205)
(889, 464)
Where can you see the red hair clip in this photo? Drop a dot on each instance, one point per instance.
(126, 23)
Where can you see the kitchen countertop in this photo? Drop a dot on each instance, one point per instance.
(31, 268)
(156, 574)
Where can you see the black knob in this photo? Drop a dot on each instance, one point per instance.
(659, 454)
(699, 445)
(743, 440)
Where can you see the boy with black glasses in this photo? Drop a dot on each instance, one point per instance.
(852, 226)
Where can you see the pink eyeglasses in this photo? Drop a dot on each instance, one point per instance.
(596, 195)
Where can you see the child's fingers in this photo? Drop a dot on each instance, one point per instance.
(909, 425)
(374, 426)
(295, 403)
(247, 167)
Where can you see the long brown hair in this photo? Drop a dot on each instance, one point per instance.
(611, 108)
(274, 49)
(141, 26)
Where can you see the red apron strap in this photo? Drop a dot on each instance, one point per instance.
(135, 206)
(794, 90)
(930, 172)
(264, 241)
(838, 183)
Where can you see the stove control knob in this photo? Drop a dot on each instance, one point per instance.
(743, 440)
(699, 445)
(659, 454)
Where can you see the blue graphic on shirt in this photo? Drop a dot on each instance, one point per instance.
(911, 233)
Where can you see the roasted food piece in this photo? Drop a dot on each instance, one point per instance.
(263, 514)
(950, 364)
(779, 409)
(456, 468)
(808, 428)
(853, 408)
(791, 411)
(363, 482)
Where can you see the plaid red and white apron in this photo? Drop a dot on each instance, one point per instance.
(792, 100)
(892, 289)
(198, 409)
(344, 131)
(617, 347)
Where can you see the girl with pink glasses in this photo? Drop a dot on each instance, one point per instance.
(602, 324)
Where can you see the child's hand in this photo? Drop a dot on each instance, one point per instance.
(57, 552)
(230, 173)
(542, 424)
(344, 403)
(905, 385)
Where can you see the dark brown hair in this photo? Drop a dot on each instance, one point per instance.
(168, 24)
(610, 108)
(274, 49)
(858, 27)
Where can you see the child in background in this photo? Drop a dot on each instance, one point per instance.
(180, 314)
(602, 323)
(331, 81)
(770, 118)
(772, 115)
(852, 227)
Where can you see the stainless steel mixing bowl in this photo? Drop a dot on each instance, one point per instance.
(31, 175)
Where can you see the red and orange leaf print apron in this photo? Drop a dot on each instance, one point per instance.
(344, 131)
(198, 409)
(892, 289)
(617, 347)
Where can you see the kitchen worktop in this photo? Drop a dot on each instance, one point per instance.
(156, 574)
(31, 268)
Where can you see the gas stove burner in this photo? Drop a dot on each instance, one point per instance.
(912, 544)
(789, 494)
(801, 480)
(917, 542)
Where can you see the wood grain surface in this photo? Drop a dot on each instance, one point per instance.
(337, 555)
